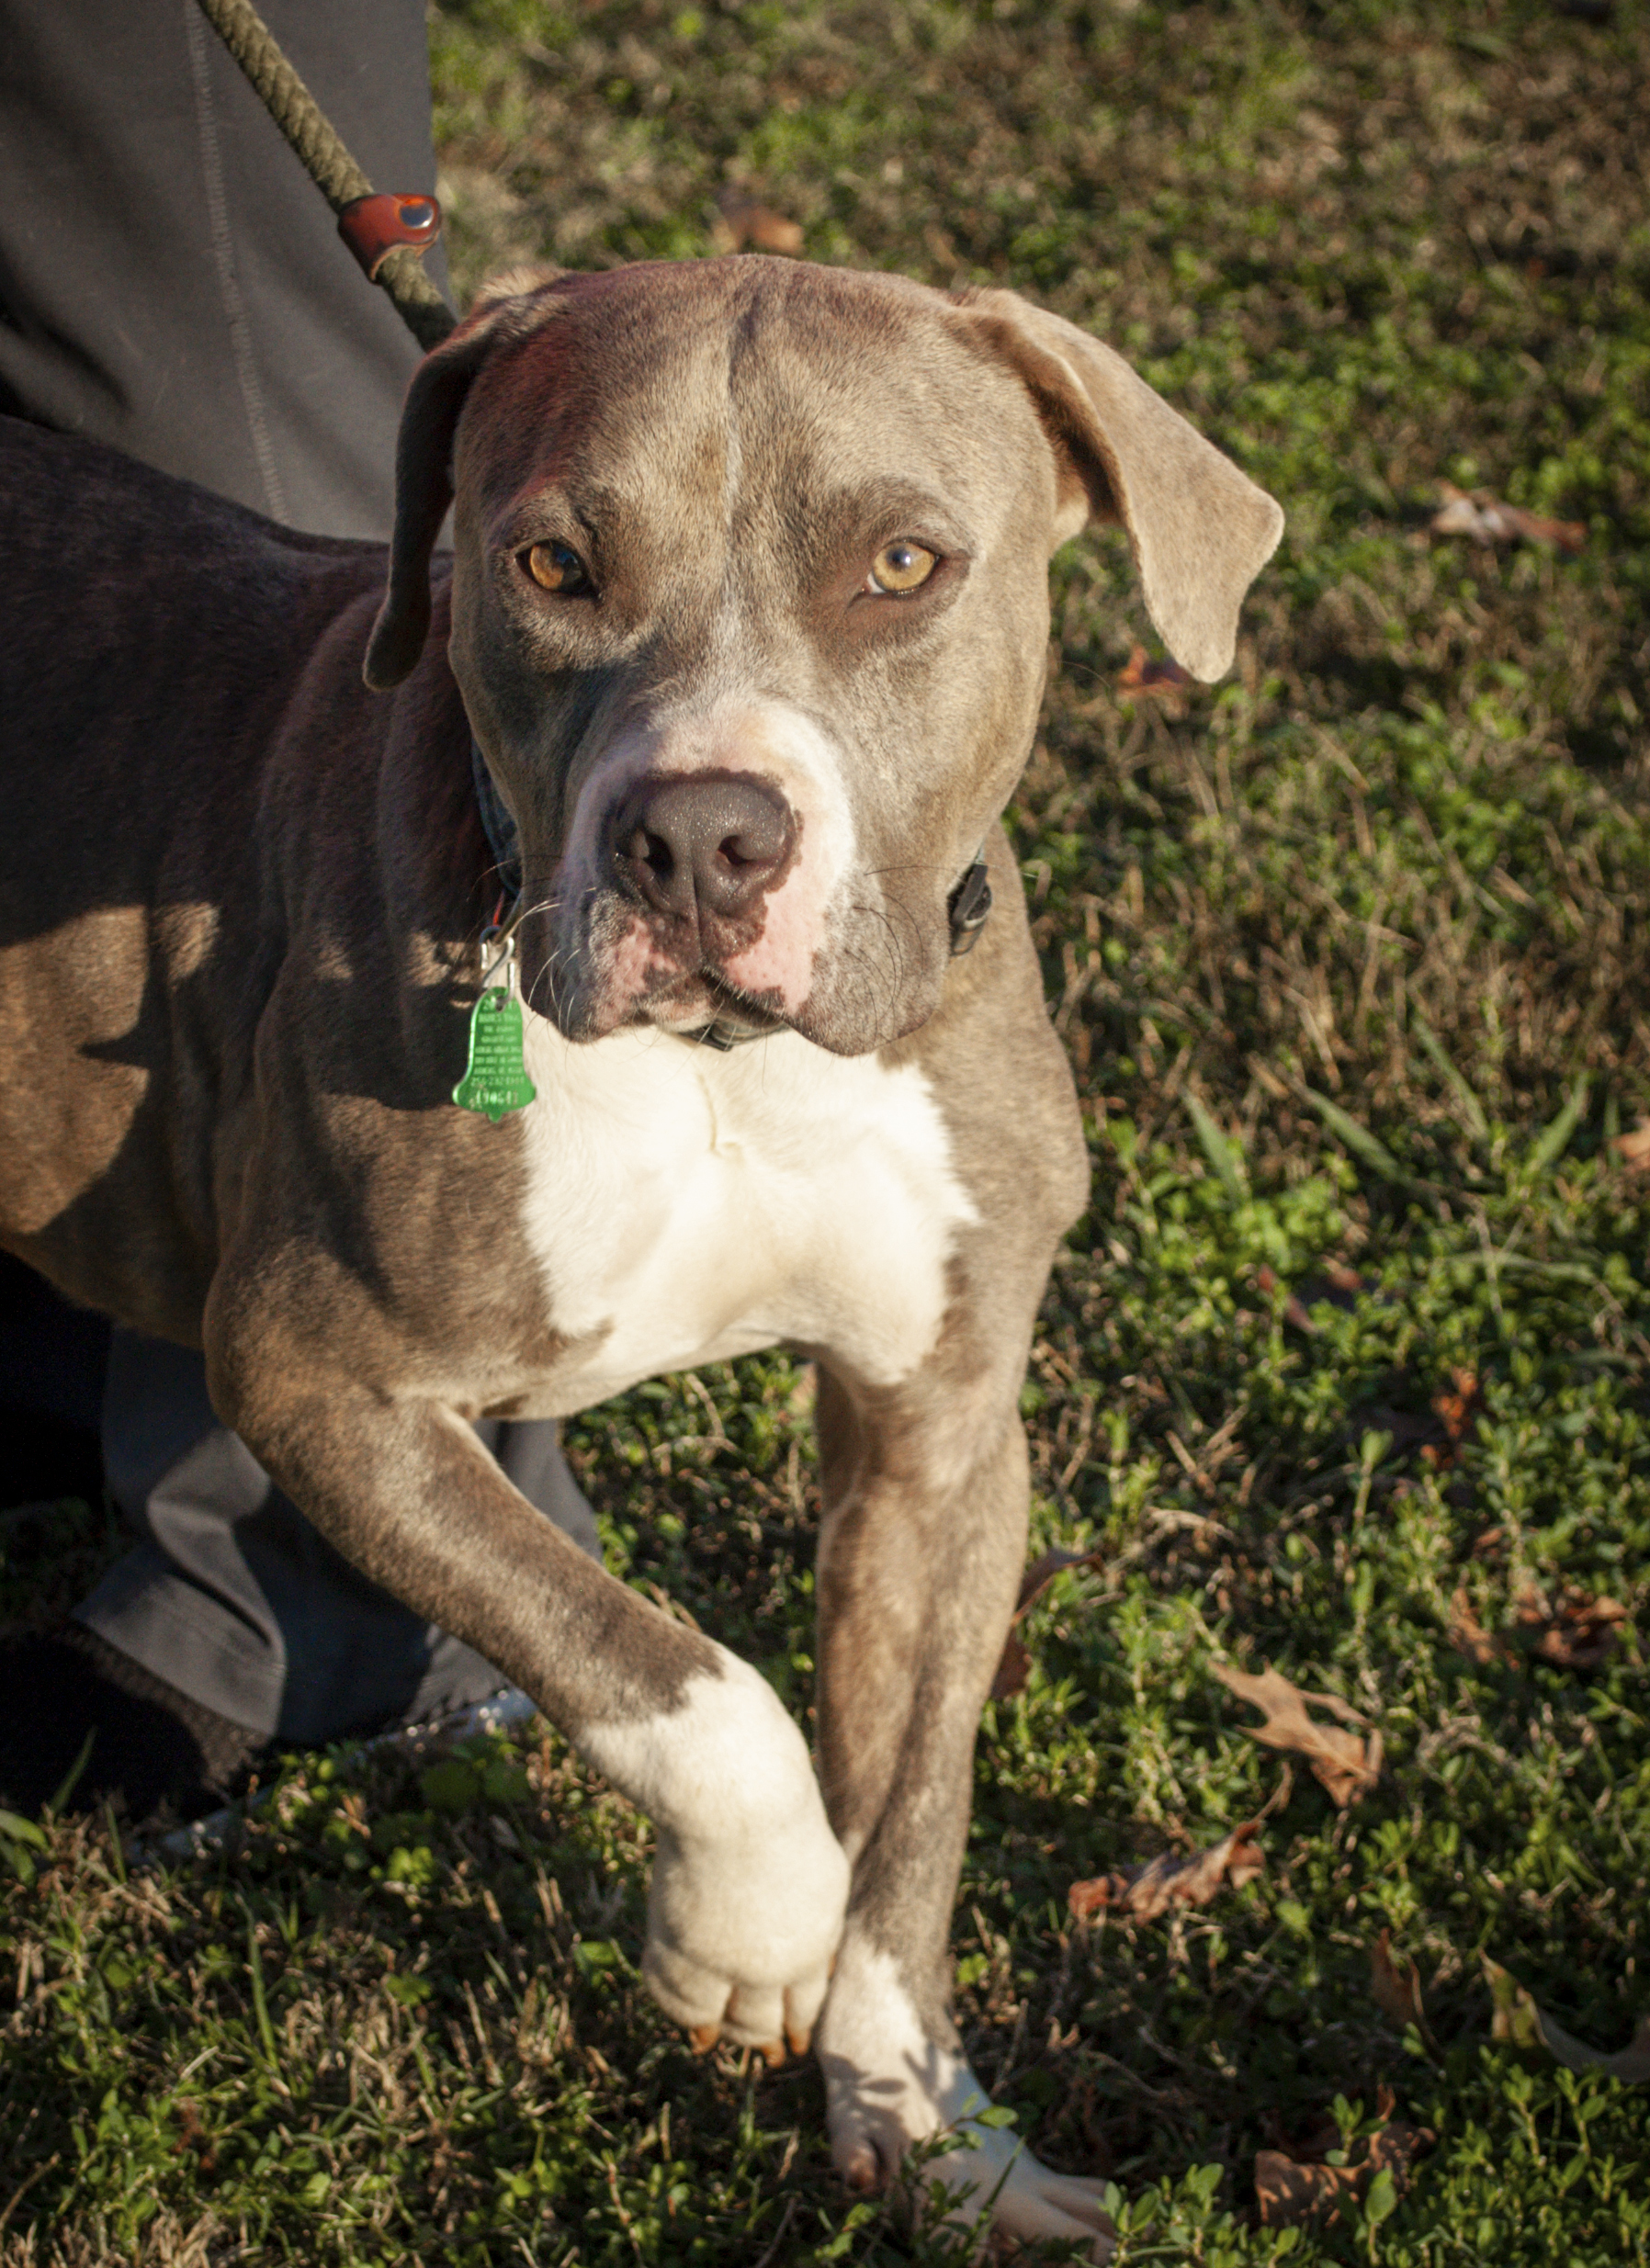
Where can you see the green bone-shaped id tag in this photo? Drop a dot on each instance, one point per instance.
(496, 1080)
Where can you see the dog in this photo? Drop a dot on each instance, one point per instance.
(669, 801)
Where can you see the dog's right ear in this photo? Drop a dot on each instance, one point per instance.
(505, 310)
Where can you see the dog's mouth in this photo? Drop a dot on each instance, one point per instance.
(615, 971)
(702, 1006)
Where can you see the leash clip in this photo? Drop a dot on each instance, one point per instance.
(498, 952)
(373, 227)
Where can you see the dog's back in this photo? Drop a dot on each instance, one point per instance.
(125, 590)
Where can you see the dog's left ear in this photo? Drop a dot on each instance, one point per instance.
(505, 310)
(1200, 529)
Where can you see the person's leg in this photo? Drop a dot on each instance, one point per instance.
(246, 1608)
(232, 1624)
(53, 1359)
(171, 282)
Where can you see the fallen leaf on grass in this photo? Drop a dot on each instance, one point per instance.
(1012, 1670)
(1015, 1665)
(1396, 1986)
(1519, 2020)
(1634, 1145)
(192, 2136)
(1468, 1635)
(1166, 679)
(1041, 1573)
(1294, 1308)
(1489, 521)
(1347, 1765)
(1144, 1892)
(1577, 1632)
(1454, 1407)
(741, 221)
(1293, 2195)
(1339, 1286)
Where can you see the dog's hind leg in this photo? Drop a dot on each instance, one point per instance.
(921, 1555)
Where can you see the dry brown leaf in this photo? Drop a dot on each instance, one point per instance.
(1634, 1145)
(1394, 2148)
(1468, 1635)
(1041, 1573)
(1145, 1893)
(1293, 2195)
(1164, 679)
(1347, 1765)
(1012, 1670)
(1289, 2195)
(1455, 1407)
(1294, 1309)
(192, 2136)
(1519, 2020)
(1578, 1633)
(1489, 521)
(741, 222)
(1396, 1986)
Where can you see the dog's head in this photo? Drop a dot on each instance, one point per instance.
(750, 612)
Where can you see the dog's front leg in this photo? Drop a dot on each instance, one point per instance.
(920, 1554)
(749, 1880)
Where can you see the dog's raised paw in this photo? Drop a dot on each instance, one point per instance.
(712, 2005)
(749, 1885)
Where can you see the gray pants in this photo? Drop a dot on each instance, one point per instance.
(235, 1599)
(172, 282)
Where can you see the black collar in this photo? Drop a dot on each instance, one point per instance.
(497, 826)
(967, 904)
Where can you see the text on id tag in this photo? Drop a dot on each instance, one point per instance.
(495, 1081)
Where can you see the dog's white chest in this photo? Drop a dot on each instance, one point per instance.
(687, 1206)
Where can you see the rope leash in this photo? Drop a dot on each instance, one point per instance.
(386, 232)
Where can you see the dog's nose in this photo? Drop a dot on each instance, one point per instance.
(711, 842)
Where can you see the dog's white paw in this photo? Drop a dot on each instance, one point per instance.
(889, 2085)
(749, 1884)
(740, 1938)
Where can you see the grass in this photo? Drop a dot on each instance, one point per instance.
(1350, 955)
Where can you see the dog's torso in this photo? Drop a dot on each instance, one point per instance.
(284, 944)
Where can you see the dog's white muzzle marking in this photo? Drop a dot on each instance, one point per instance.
(739, 733)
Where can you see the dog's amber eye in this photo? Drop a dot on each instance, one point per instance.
(903, 566)
(555, 568)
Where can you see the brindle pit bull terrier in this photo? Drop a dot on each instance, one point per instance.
(748, 619)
